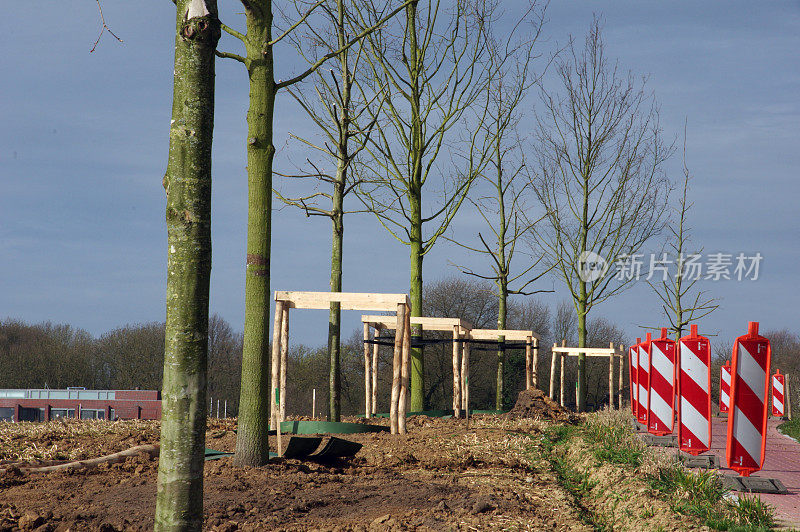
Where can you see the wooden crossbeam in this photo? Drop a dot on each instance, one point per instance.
(509, 334)
(590, 351)
(347, 300)
(427, 323)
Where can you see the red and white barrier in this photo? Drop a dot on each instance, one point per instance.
(725, 387)
(633, 372)
(661, 399)
(643, 381)
(694, 410)
(747, 422)
(778, 382)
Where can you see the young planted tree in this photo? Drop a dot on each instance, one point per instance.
(251, 441)
(179, 503)
(503, 209)
(434, 70)
(599, 177)
(337, 111)
(681, 303)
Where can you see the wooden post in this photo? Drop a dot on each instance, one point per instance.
(284, 358)
(553, 373)
(621, 373)
(465, 381)
(528, 364)
(456, 376)
(405, 374)
(464, 372)
(367, 374)
(535, 369)
(611, 359)
(279, 443)
(374, 388)
(561, 381)
(276, 358)
(314, 403)
(787, 394)
(396, 361)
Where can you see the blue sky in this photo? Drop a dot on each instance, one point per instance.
(83, 149)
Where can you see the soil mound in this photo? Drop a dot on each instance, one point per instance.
(535, 404)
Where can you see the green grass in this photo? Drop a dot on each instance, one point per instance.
(574, 481)
(791, 428)
(614, 444)
(700, 494)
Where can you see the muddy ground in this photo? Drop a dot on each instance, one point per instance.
(442, 475)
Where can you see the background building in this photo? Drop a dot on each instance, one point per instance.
(46, 404)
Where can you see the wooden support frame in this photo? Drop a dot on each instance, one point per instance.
(395, 303)
(611, 352)
(531, 340)
(457, 326)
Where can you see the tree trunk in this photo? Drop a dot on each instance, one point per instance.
(251, 442)
(334, 321)
(417, 361)
(501, 351)
(179, 502)
(581, 392)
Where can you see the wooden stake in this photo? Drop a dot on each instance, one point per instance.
(314, 403)
(621, 372)
(367, 374)
(561, 381)
(405, 374)
(465, 391)
(456, 376)
(535, 368)
(611, 379)
(553, 373)
(528, 364)
(279, 444)
(396, 361)
(464, 371)
(374, 387)
(787, 396)
(284, 358)
(276, 358)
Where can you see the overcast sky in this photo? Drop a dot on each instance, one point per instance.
(84, 138)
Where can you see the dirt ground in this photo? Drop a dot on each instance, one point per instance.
(443, 475)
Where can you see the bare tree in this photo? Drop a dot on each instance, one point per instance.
(337, 108)
(681, 303)
(599, 177)
(259, 42)
(503, 209)
(434, 69)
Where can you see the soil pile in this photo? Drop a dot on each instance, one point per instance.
(535, 404)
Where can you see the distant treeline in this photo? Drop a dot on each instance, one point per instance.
(57, 356)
